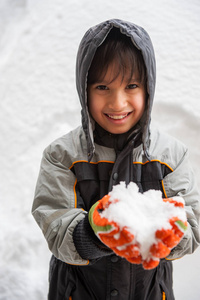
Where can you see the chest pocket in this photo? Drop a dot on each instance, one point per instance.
(149, 175)
(92, 182)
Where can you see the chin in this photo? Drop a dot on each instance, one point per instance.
(116, 131)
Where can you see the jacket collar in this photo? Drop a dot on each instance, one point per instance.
(117, 141)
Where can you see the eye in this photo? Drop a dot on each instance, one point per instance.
(102, 87)
(132, 86)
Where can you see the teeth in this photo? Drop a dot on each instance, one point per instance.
(117, 117)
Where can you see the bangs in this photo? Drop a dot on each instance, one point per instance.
(119, 51)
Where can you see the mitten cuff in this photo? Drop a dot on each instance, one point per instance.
(87, 243)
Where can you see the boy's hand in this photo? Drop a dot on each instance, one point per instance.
(166, 238)
(123, 242)
(171, 237)
(119, 240)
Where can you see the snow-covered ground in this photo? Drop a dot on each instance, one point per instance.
(38, 103)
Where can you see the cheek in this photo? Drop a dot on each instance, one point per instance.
(139, 105)
(142, 103)
(142, 108)
(93, 106)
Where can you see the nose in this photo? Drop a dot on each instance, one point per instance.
(117, 101)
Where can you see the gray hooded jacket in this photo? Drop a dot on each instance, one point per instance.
(59, 205)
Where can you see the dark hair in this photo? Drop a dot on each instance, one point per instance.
(117, 48)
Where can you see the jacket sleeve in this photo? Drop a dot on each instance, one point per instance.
(54, 209)
(181, 182)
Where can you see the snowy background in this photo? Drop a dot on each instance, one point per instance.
(38, 103)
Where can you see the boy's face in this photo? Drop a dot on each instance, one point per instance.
(116, 105)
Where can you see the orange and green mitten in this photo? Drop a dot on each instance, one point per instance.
(167, 238)
(117, 238)
(143, 228)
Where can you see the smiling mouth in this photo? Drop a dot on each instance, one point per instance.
(117, 117)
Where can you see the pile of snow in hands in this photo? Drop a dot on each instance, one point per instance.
(143, 214)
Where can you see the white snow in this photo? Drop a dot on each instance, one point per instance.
(39, 103)
(142, 214)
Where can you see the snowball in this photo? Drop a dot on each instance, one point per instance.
(143, 214)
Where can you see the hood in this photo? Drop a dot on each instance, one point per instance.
(92, 39)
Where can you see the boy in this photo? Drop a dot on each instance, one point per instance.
(115, 82)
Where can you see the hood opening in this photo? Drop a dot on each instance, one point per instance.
(92, 40)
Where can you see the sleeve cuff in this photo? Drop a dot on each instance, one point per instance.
(87, 243)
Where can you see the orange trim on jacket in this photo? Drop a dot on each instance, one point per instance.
(163, 296)
(91, 162)
(153, 160)
(112, 162)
